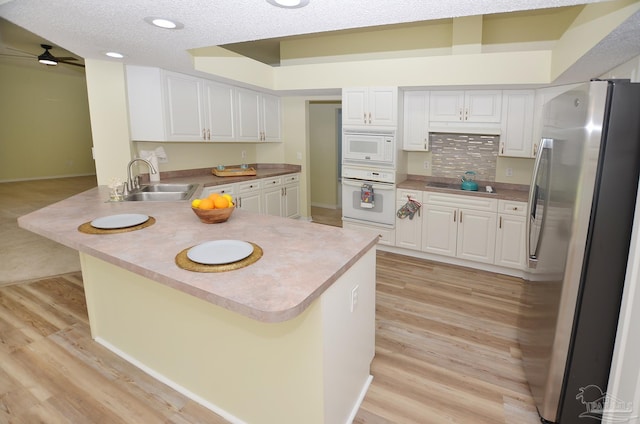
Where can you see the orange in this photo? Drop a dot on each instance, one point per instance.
(214, 196)
(206, 204)
(221, 202)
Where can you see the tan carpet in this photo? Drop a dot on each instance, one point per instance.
(23, 254)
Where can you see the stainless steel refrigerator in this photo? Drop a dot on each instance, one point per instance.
(581, 207)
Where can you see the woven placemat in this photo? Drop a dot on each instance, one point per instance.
(87, 228)
(183, 261)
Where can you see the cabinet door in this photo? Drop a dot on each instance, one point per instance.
(510, 241)
(383, 106)
(483, 106)
(248, 115)
(516, 137)
(144, 97)
(408, 231)
(272, 199)
(446, 106)
(220, 100)
(271, 118)
(291, 206)
(250, 202)
(355, 104)
(476, 235)
(439, 227)
(415, 132)
(184, 108)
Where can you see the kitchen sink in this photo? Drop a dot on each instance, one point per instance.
(170, 188)
(161, 193)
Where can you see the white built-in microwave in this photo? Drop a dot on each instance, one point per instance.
(361, 147)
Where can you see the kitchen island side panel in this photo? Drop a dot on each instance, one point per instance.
(245, 370)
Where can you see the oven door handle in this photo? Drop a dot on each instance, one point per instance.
(376, 186)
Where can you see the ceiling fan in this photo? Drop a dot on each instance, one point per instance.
(46, 58)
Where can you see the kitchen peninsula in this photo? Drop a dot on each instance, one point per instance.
(287, 339)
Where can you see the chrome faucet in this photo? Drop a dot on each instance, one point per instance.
(132, 183)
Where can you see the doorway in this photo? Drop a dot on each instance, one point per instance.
(325, 136)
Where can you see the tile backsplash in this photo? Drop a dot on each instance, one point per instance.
(454, 154)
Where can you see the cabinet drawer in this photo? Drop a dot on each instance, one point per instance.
(271, 182)
(222, 189)
(461, 201)
(402, 194)
(249, 186)
(512, 207)
(293, 178)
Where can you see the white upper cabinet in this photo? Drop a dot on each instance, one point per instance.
(476, 106)
(185, 109)
(169, 106)
(415, 121)
(370, 106)
(516, 137)
(220, 105)
(258, 116)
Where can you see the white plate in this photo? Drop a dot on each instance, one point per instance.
(219, 252)
(119, 221)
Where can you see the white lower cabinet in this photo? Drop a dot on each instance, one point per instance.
(472, 228)
(281, 196)
(249, 197)
(511, 234)
(459, 226)
(278, 196)
(409, 231)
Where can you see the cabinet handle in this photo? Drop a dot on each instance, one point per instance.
(501, 148)
(204, 134)
(461, 217)
(535, 149)
(500, 223)
(460, 113)
(208, 134)
(454, 216)
(365, 117)
(369, 117)
(466, 114)
(515, 208)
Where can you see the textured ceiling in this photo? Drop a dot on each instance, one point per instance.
(88, 28)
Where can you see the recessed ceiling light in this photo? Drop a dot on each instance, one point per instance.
(163, 23)
(115, 55)
(289, 4)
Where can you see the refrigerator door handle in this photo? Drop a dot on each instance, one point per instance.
(545, 145)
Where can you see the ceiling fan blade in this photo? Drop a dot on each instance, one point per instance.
(71, 63)
(16, 55)
(59, 59)
(21, 51)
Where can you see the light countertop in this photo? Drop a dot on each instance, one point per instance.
(516, 192)
(300, 260)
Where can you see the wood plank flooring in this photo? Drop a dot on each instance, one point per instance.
(446, 352)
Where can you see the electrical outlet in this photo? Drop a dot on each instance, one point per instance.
(354, 298)
(509, 172)
(427, 165)
(244, 154)
(299, 155)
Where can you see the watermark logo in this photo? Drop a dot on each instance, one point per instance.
(599, 405)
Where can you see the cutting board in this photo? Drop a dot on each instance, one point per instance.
(233, 172)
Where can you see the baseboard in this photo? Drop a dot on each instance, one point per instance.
(165, 380)
(55, 177)
(356, 406)
(324, 205)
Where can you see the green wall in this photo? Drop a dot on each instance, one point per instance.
(323, 151)
(45, 129)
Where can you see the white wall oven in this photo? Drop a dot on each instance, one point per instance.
(369, 148)
(368, 196)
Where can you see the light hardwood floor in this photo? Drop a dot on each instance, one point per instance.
(446, 352)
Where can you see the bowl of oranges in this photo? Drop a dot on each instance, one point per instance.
(213, 209)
